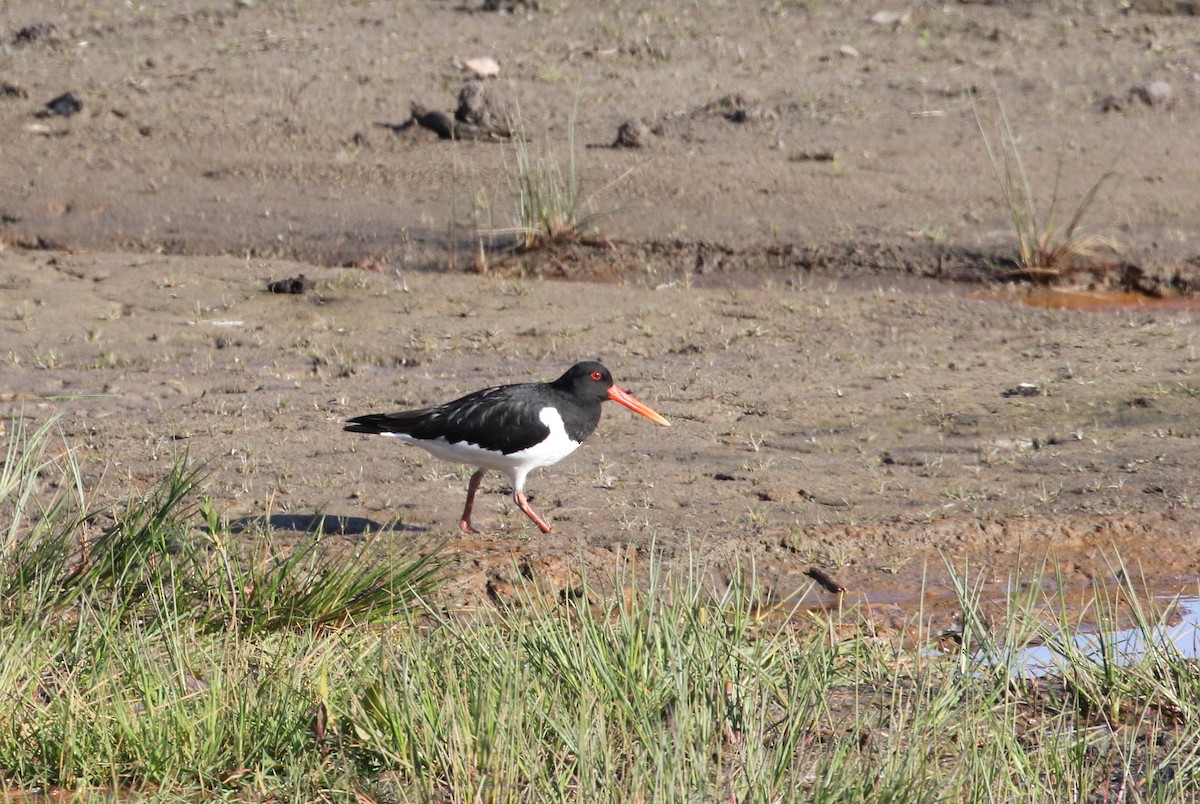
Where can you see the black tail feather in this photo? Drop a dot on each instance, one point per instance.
(372, 424)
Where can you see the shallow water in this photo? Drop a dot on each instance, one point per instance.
(1088, 301)
(1125, 647)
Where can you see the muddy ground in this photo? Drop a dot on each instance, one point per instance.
(807, 266)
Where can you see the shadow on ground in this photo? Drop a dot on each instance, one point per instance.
(319, 523)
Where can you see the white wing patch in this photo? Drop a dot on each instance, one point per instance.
(516, 465)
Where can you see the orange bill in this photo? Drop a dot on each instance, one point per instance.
(617, 394)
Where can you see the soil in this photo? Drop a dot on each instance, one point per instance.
(801, 256)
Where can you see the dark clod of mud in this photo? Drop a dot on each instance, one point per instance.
(825, 580)
(483, 113)
(1155, 94)
(439, 123)
(742, 108)
(294, 285)
(1183, 8)
(36, 32)
(632, 134)
(511, 6)
(823, 155)
(65, 105)
(1024, 389)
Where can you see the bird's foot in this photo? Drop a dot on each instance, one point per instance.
(527, 509)
(465, 527)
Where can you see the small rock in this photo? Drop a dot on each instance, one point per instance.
(849, 52)
(893, 18)
(482, 67)
(631, 134)
(1022, 389)
(1155, 94)
(8, 90)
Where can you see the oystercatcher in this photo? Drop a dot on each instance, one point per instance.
(510, 428)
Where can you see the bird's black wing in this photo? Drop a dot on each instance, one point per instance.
(503, 419)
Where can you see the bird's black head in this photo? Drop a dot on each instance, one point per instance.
(586, 380)
(591, 381)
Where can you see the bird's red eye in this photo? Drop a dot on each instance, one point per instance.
(596, 375)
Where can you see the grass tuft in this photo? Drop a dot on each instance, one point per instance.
(262, 588)
(549, 205)
(1047, 249)
(546, 193)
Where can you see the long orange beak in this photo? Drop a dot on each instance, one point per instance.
(617, 394)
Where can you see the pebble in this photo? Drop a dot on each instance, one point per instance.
(895, 18)
(482, 67)
(1155, 94)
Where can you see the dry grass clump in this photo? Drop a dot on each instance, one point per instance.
(1048, 251)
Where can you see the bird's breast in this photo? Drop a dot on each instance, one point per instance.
(554, 447)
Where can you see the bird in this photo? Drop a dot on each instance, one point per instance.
(510, 428)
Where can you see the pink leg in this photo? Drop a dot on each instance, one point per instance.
(464, 524)
(523, 504)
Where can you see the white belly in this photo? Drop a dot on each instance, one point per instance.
(516, 465)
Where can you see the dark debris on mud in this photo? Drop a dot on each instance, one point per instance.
(713, 263)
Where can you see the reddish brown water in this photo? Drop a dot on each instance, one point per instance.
(1096, 301)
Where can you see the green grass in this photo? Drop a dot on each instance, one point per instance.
(549, 207)
(546, 194)
(174, 661)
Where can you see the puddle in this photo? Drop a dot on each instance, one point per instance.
(1044, 298)
(1085, 301)
(1124, 647)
